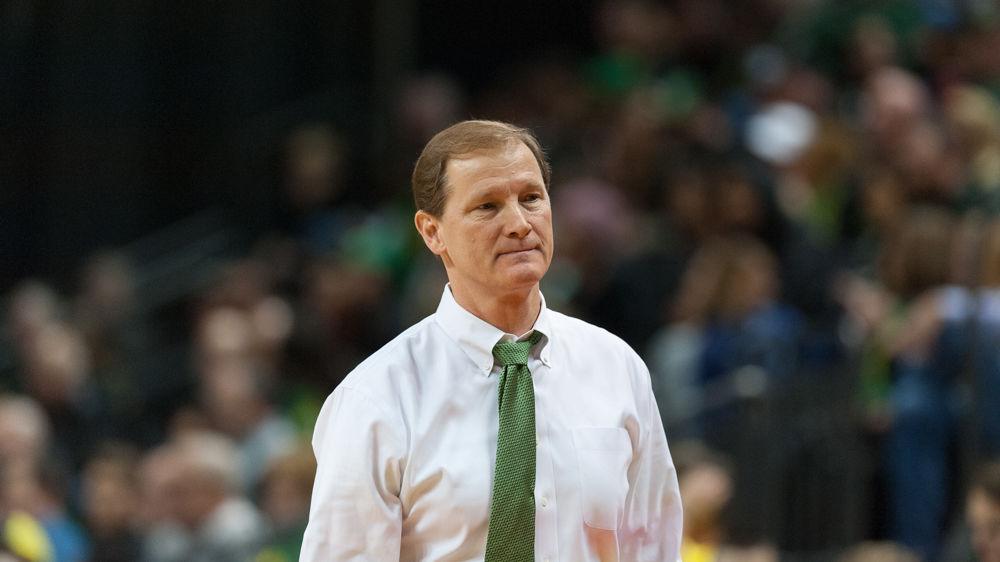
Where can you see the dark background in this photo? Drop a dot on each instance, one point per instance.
(119, 118)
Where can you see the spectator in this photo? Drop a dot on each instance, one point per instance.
(983, 513)
(106, 315)
(235, 399)
(923, 366)
(315, 166)
(214, 522)
(162, 536)
(39, 489)
(33, 305)
(707, 488)
(285, 495)
(24, 429)
(977, 538)
(111, 504)
(57, 373)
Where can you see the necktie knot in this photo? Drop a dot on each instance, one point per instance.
(515, 352)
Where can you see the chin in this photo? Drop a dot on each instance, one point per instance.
(524, 276)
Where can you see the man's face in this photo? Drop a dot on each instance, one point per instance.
(983, 515)
(495, 234)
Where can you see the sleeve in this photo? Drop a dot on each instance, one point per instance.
(653, 519)
(355, 514)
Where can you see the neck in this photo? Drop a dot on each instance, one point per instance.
(514, 313)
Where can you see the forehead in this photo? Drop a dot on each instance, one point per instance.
(510, 162)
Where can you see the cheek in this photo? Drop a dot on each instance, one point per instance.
(472, 243)
(469, 244)
(544, 227)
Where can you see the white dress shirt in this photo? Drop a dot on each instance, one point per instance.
(406, 446)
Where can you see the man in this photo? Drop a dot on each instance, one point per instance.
(495, 429)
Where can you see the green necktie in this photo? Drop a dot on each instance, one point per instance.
(512, 511)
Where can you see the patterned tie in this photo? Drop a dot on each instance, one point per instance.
(512, 512)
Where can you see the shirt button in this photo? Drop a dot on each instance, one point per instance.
(545, 501)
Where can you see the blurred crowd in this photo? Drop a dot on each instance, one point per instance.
(789, 207)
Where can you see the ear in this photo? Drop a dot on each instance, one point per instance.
(430, 230)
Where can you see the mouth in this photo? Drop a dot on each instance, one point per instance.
(515, 253)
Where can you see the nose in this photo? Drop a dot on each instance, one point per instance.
(516, 225)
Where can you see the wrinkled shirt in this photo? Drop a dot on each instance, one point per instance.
(406, 446)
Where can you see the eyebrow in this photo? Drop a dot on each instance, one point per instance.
(494, 189)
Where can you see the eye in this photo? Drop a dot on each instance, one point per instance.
(486, 207)
(532, 197)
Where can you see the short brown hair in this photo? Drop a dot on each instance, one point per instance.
(429, 182)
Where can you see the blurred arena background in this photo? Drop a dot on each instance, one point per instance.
(788, 207)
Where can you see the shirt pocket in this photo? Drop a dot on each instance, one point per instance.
(603, 455)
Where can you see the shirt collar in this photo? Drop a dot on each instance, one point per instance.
(476, 337)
